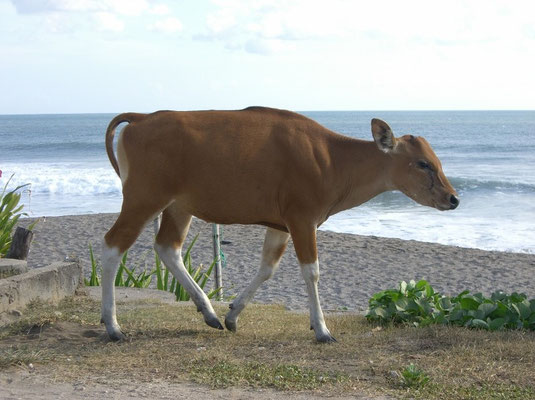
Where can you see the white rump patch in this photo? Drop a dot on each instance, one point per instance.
(121, 158)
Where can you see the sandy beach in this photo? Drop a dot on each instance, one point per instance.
(352, 267)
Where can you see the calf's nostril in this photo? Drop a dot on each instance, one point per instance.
(454, 201)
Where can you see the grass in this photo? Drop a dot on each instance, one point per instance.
(273, 348)
(224, 373)
(22, 356)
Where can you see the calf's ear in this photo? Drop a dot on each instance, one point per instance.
(383, 136)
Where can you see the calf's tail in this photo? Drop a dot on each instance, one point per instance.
(110, 134)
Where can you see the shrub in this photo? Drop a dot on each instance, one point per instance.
(413, 377)
(10, 212)
(418, 304)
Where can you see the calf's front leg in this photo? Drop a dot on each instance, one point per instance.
(304, 238)
(311, 274)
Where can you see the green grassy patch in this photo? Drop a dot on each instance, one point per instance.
(219, 373)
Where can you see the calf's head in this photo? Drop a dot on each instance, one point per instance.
(414, 169)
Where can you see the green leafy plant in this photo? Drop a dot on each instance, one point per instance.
(141, 280)
(93, 279)
(413, 377)
(418, 304)
(197, 274)
(412, 303)
(128, 278)
(10, 212)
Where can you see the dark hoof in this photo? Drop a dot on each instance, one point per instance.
(114, 334)
(231, 326)
(326, 339)
(117, 336)
(214, 323)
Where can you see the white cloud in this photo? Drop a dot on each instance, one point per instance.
(123, 7)
(127, 7)
(45, 6)
(108, 22)
(452, 23)
(252, 25)
(167, 25)
(269, 19)
(159, 9)
(107, 15)
(265, 46)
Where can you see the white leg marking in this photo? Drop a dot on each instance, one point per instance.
(172, 259)
(271, 255)
(110, 263)
(311, 274)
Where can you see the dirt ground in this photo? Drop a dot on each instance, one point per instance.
(36, 384)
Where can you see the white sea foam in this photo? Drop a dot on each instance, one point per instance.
(65, 188)
(479, 222)
(487, 219)
(64, 178)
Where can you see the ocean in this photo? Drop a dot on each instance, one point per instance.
(489, 157)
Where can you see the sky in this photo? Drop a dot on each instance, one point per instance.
(82, 56)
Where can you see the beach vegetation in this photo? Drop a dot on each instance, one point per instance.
(413, 377)
(199, 276)
(418, 304)
(94, 279)
(128, 277)
(10, 213)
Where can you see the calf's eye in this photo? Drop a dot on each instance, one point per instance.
(423, 165)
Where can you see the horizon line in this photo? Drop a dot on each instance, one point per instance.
(299, 111)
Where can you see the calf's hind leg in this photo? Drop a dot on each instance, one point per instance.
(119, 238)
(169, 241)
(274, 246)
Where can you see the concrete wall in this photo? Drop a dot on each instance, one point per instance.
(10, 267)
(50, 283)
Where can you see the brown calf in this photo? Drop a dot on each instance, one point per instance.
(255, 166)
